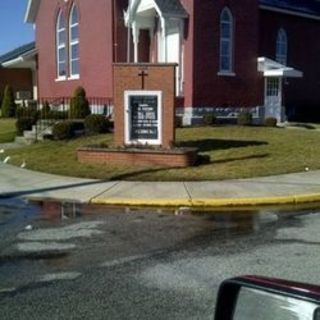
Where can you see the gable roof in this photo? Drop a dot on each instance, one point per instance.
(304, 7)
(18, 52)
(32, 11)
(171, 7)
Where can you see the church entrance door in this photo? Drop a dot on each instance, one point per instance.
(273, 98)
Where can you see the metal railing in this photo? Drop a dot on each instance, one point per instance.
(49, 110)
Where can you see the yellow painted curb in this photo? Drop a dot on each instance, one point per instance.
(211, 203)
(143, 202)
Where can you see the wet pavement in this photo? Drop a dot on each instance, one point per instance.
(72, 261)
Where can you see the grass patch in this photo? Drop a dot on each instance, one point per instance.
(235, 152)
(7, 130)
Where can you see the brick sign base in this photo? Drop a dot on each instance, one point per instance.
(171, 158)
(143, 84)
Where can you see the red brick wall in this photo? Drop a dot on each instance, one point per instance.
(244, 89)
(96, 48)
(189, 57)
(303, 54)
(121, 32)
(101, 156)
(126, 78)
(18, 79)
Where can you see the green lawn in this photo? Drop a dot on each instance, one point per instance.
(7, 130)
(235, 152)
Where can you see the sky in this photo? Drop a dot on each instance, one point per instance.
(13, 31)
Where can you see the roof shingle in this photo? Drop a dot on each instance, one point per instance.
(13, 54)
(310, 7)
(171, 7)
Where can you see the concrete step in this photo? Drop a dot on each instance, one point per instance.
(41, 130)
(20, 140)
(31, 136)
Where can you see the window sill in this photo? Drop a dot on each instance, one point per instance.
(226, 74)
(60, 79)
(75, 77)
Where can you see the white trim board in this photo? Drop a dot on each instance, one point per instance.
(127, 116)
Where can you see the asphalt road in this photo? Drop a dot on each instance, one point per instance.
(98, 263)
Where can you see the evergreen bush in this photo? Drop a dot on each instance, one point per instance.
(96, 123)
(245, 118)
(62, 130)
(178, 122)
(45, 110)
(27, 112)
(24, 124)
(8, 105)
(79, 104)
(209, 119)
(270, 122)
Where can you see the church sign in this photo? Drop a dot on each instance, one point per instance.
(143, 117)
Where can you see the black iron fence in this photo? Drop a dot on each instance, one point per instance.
(97, 105)
(48, 110)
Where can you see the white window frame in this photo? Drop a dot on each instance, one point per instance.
(127, 126)
(229, 40)
(282, 47)
(60, 46)
(72, 43)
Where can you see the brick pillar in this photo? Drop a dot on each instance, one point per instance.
(160, 77)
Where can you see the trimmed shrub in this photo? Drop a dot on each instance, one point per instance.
(209, 119)
(27, 112)
(270, 122)
(8, 105)
(79, 104)
(178, 122)
(245, 118)
(24, 124)
(96, 123)
(62, 130)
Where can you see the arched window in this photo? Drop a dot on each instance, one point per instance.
(61, 38)
(282, 47)
(226, 41)
(74, 57)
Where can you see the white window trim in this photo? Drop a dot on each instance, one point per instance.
(230, 40)
(60, 46)
(226, 74)
(282, 43)
(127, 127)
(62, 78)
(73, 76)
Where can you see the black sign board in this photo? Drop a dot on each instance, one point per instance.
(144, 117)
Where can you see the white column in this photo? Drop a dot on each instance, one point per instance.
(151, 50)
(135, 36)
(163, 40)
(181, 56)
(35, 84)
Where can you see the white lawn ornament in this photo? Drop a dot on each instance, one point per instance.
(6, 160)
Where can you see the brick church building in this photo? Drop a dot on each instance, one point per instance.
(231, 54)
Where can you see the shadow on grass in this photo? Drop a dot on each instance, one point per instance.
(203, 162)
(220, 144)
(257, 156)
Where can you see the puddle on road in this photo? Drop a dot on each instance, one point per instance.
(53, 218)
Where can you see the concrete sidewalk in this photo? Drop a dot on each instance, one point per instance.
(283, 189)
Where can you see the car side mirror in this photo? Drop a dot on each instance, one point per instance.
(260, 298)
